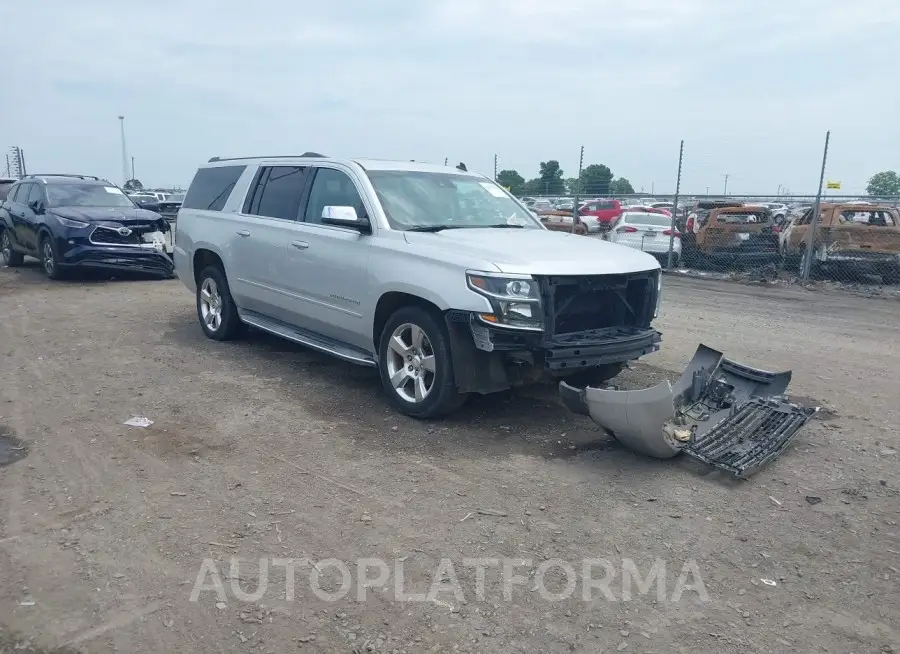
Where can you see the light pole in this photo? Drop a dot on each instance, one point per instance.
(124, 151)
(725, 190)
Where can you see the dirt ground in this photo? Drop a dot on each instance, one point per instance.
(261, 449)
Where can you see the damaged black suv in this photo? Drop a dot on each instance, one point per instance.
(79, 221)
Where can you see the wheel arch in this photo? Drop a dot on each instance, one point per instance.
(205, 256)
(392, 301)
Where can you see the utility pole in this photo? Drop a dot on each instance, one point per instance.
(495, 167)
(675, 206)
(725, 191)
(132, 169)
(814, 223)
(124, 151)
(445, 160)
(575, 199)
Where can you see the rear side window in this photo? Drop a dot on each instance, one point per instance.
(12, 193)
(877, 218)
(211, 187)
(277, 192)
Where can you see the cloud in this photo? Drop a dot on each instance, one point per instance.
(750, 90)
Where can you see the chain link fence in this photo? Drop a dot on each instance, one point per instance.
(853, 241)
(844, 238)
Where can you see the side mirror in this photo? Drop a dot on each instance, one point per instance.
(341, 216)
(36, 206)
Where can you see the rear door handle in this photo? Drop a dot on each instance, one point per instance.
(243, 232)
(300, 245)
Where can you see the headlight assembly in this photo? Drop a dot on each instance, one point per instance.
(516, 300)
(68, 222)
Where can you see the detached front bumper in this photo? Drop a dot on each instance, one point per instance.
(722, 413)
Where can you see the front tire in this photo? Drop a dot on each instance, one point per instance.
(11, 258)
(49, 258)
(416, 364)
(216, 309)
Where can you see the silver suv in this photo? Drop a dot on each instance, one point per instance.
(436, 276)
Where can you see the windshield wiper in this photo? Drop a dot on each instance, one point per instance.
(503, 226)
(431, 228)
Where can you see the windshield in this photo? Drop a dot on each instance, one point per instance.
(418, 200)
(86, 195)
(657, 219)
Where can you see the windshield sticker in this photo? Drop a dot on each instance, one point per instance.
(113, 189)
(515, 220)
(493, 190)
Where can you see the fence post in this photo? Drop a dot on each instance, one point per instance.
(814, 223)
(575, 198)
(672, 228)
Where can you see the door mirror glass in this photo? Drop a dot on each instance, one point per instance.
(37, 206)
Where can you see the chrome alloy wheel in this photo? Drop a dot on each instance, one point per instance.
(47, 256)
(410, 363)
(210, 304)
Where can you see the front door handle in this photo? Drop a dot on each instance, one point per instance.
(243, 232)
(300, 245)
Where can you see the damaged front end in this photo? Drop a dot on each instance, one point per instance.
(720, 412)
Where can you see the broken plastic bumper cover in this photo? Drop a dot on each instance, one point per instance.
(722, 413)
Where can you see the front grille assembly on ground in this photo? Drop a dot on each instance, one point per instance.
(755, 434)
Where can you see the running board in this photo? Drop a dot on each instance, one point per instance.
(307, 338)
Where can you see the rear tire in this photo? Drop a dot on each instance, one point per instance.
(11, 258)
(415, 363)
(216, 309)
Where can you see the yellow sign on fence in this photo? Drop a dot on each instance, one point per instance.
(834, 185)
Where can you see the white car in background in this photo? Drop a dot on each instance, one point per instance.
(648, 232)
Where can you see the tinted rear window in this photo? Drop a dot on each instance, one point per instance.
(211, 187)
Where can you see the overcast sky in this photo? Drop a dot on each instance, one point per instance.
(751, 86)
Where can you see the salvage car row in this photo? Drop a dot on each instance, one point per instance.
(851, 238)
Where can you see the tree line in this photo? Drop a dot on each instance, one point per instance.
(595, 180)
(884, 184)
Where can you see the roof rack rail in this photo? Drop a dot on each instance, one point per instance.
(94, 177)
(275, 156)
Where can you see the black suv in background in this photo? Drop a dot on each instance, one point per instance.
(71, 221)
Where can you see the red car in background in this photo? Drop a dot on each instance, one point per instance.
(603, 213)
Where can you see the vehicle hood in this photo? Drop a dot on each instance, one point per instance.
(538, 251)
(120, 215)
